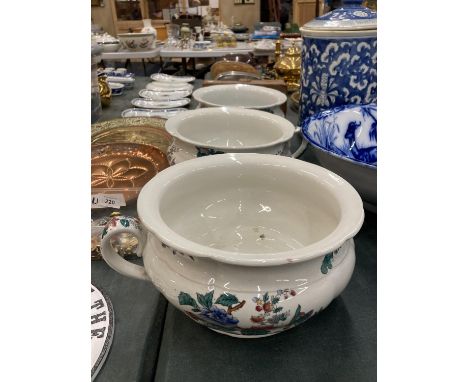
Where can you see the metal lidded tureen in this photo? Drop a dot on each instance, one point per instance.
(339, 59)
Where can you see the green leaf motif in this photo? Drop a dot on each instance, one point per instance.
(104, 232)
(227, 299)
(297, 314)
(186, 299)
(278, 309)
(124, 222)
(266, 297)
(205, 300)
(275, 300)
(327, 263)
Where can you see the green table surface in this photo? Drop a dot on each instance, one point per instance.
(153, 341)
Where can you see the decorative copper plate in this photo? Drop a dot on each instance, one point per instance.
(145, 130)
(126, 166)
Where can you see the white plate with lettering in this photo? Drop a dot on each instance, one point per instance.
(102, 329)
(150, 104)
(161, 113)
(164, 96)
(161, 77)
(168, 86)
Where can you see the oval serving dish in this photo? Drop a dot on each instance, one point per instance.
(168, 86)
(161, 77)
(164, 96)
(151, 104)
(158, 113)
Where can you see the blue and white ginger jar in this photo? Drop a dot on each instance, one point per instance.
(339, 59)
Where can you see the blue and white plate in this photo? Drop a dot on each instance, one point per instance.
(348, 131)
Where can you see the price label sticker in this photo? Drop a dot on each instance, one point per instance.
(107, 201)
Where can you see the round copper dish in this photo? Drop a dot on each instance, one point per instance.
(145, 130)
(125, 167)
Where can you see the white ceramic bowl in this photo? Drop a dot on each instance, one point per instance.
(248, 245)
(137, 41)
(108, 47)
(222, 130)
(240, 95)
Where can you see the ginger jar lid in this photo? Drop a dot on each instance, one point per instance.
(351, 19)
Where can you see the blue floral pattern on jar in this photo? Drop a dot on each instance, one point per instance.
(337, 72)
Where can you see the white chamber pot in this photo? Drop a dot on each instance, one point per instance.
(241, 95)
(248, 245)
(210, 131)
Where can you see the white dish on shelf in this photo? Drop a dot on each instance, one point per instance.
(151, 104)
(161, 77)
(164, 96)
(168, 86)
(160, 113)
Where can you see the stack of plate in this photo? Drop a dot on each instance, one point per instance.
(165, 97)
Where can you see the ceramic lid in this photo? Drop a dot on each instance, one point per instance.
(352, 16)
